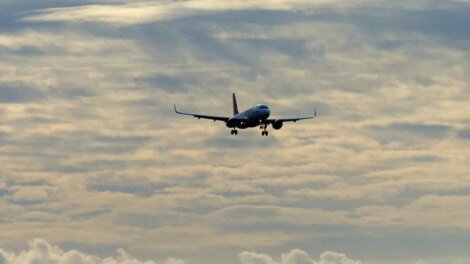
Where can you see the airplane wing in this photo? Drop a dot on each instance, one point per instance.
(295, 119)
(198, 116)
(269, 121)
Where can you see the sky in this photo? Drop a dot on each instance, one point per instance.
(97, 168)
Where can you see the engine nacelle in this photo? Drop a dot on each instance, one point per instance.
(230, 123)
(277, 124)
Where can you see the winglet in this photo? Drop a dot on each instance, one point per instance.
(176, 111)
(315, 113)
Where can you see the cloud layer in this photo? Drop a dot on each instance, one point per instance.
(40, 251)
(93, 157)
(151, 11)
(295, 257)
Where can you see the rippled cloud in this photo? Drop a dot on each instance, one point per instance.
(94, 157)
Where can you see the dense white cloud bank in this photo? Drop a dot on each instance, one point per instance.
(295, 256)
(41, 252)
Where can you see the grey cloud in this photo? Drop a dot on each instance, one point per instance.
(96, 165)
(160, 220)
(251, 212)
(170, 35)
(27, 182)
(293, 48)
(425, 81)
(37, 120)
(255, 17)
(464, 134)
(198, 204)
(448, 22)
(71, 93)
(427, 159)
(250, 142)
(401, 131)
(211, 49)
(431, 130)
(27, 202)
(326, 230)
(137, 189)
(4, 192)
(235, 193)
(389, 44)
(118, 139)
(91, 214)
(140, 186)
(54, 149)
(302, 108)
(25, 50)
(195, 179)
(28, 195)
(19, 94)
(165, 82)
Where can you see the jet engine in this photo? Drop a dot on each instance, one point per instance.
(231, 123)
(277, 124)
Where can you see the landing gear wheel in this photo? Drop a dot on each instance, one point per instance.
(234, 132)
(263, 127)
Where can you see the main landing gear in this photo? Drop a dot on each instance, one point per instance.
(264, 132)
(234, 132)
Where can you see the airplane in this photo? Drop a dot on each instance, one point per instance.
(252, 117)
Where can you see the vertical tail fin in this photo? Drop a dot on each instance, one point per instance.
(235, 106)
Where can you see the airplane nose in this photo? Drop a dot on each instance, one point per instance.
(266, 113)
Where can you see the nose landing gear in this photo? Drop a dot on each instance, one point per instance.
(264, 132)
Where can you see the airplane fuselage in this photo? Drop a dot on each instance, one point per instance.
(252, 117)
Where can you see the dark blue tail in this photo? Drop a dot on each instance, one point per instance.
(235, 106)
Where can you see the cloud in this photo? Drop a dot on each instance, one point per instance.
(40, 251)
(432, 130)
(145, 12)
(464, 134)
(31, 195)
(254, 258)
(19, 94)
(424, 211)
(295, 256)
(168, 83)
(93, 154)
